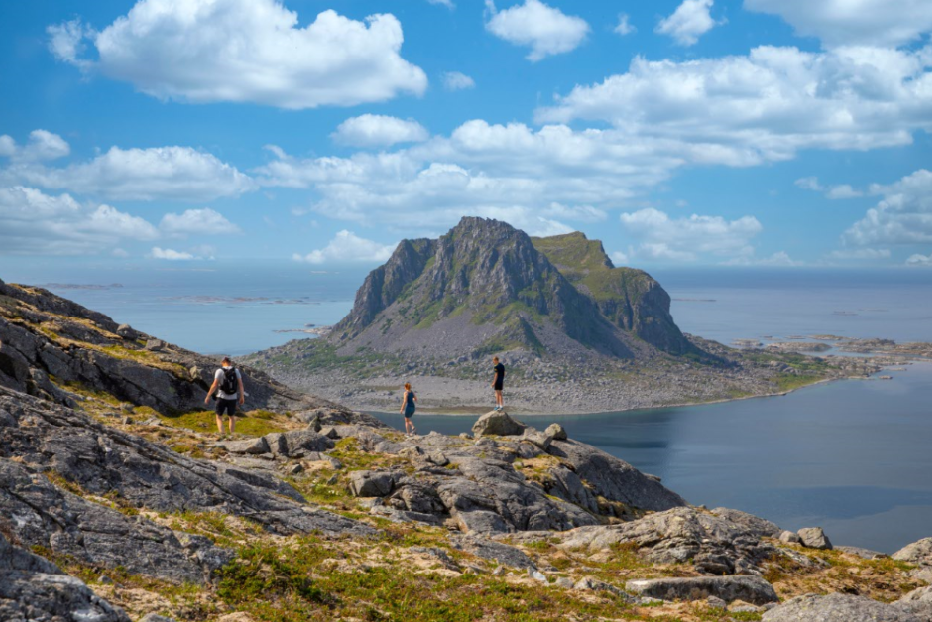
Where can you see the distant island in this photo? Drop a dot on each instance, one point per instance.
(577, 334)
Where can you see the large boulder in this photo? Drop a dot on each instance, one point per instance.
(919, 553)
(497, 423)
(371, 483)
(837, 608)
(750, 589)
(814, 538)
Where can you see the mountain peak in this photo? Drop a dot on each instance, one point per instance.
(485, 286)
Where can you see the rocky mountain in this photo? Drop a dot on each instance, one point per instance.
(316, 512)
(487, 287)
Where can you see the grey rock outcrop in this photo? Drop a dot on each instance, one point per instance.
(919, 553)
(814, 538)
(754, 590)
(496, 551)
(837, 608)
(34, 590)
(497, 423)
(714, 545)
(105, 461)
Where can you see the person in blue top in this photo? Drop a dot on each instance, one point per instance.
(407, 409)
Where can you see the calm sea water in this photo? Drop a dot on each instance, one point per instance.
(852, 457)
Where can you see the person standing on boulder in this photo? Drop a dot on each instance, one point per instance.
(498, 383)
(228, 385)
(407, 409)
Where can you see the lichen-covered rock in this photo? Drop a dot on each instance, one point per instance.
(837, 608)
(750, 589)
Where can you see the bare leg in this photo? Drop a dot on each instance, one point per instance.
(219, 425)
(232, 424)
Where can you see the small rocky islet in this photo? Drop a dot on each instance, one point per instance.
(119, 502)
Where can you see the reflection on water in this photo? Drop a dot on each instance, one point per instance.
(851, 456)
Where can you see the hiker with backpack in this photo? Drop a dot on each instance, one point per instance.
(228, 385)
(407, 409)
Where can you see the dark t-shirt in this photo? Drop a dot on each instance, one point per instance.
(499, 375)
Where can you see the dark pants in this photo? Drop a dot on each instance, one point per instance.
(226, 407)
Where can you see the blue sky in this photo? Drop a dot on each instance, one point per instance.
(696, 132)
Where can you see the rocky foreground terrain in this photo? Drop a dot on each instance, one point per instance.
(118, 502)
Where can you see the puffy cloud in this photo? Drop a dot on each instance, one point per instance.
(66, 42)
(546, 30)
(169, 254)
(347, 247)
(903, 216)
(624, 26)
(746, 110)
(843, 191)
(179, 173)
(860, 254)
(456, 81)
(247, 51)
(919, 260)
(685, 239)
(688, 22)
(197, 221)
(852, 22)
(42, 145)
(511, 172)
(32, 222)
(374, 130)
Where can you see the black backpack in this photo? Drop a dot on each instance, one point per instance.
(229, 385)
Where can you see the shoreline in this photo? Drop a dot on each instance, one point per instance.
(371, 409)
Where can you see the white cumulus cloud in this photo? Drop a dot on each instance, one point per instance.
(247, 51)
(689, 238)
(903, 216)
(347, 247)
(746, 110)
(624, 26)
(853, 22)
(33, 222)
(42, 145)
(203, 221)
(169, 254)
(919, 260)
(546, 30)
(689, 21)
(374, 130)
(178, 173)
(843, 191)
(457, 81)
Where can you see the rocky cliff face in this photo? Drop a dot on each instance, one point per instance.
(631, 299)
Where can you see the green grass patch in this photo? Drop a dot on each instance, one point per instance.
(253, 423)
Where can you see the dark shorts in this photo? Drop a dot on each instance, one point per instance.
(499, 386)
(227, 407)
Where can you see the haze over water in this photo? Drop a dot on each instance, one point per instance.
(852, 456)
